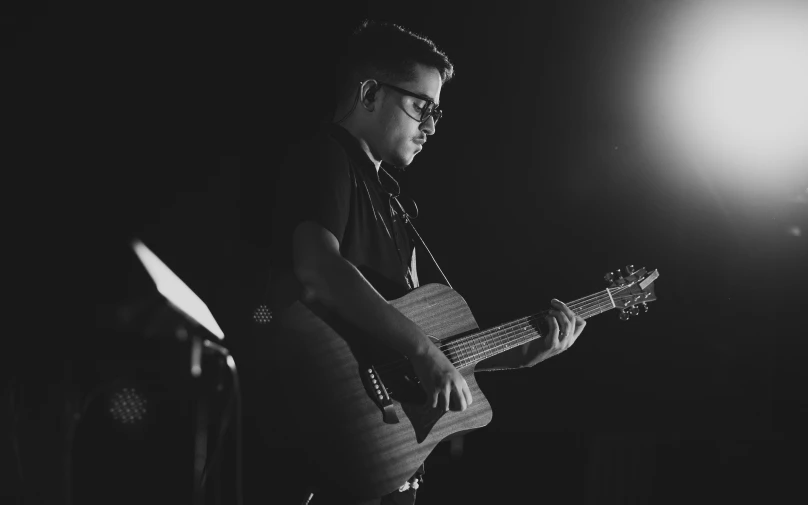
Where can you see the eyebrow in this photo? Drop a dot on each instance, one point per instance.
(418, 94)
(425, 96)
(433, 100)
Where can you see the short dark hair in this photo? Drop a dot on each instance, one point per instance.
(387, 52)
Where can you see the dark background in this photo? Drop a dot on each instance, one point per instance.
(168, 123)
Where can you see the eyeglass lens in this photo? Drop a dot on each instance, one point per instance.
(431, 110)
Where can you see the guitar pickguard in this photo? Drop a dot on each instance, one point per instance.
(423, 418)
(335, 415)
(405, 388)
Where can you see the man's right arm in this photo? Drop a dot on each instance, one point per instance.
(333, 281)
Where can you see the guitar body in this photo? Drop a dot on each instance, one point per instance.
(355, 407)
(331, 412)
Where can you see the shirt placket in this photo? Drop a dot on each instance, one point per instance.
(404, 259)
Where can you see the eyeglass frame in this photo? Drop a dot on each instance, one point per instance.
(435, 113)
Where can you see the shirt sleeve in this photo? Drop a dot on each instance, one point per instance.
(318, 189)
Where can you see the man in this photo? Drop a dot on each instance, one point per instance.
(340, 231)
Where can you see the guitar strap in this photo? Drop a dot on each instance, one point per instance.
(282, 290)
(408, 220)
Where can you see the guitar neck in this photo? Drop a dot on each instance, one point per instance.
(473, 348)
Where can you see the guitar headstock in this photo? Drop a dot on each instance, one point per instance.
(631, 290)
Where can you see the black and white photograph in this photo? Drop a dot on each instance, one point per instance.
(239, 275)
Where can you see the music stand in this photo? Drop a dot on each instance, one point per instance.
(200, 329)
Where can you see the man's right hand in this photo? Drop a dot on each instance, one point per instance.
(443, 384)
(332, 280)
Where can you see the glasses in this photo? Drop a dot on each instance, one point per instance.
(431, 108)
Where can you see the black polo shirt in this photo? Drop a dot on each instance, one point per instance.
(330, 180)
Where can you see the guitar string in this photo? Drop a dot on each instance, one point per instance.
(501, 346)
(508, 336)
(464, 360)
(582, 310)
(577, 305)
(485, 337)
(583, 303)
(505, 339)
(512, 337)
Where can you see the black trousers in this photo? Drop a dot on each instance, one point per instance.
(284, 476)
(406, 497)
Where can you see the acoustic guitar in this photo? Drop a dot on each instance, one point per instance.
(358, 410)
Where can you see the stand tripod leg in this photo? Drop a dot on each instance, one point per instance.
(200, 443)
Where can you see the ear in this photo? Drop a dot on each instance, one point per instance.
(368, 94)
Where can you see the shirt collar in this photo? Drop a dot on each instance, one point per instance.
(358, 155)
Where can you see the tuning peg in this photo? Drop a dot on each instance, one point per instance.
(624, 315)
(645, 306)
(608, 277)
(630, 269)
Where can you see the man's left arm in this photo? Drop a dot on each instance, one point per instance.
(565, 328)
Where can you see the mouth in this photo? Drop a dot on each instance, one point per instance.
(420, 141)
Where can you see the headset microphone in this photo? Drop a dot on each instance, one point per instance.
(371, 94)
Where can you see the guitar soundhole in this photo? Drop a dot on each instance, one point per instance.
(403, 386)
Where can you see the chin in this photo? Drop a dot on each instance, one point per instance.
(401, 162)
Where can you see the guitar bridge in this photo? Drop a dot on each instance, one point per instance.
(378, 393)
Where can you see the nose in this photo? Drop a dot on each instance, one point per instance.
(428, 126)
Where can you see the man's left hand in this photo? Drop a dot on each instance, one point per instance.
(565, 328)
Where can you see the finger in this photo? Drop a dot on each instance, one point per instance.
(447, 395)
(435, 395)
(561, 306)
(458, 395)
(467, 393)
(563, 324)
(566, 310)
(460, 398)
(579, 327)
(554, 330)
(570, 328)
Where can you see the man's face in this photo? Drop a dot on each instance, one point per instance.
(398, 137)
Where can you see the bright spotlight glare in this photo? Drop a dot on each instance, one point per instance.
(733, 89)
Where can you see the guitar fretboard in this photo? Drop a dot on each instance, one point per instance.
(473, 348)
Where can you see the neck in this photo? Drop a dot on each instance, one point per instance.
(473, 348)
(358, 132)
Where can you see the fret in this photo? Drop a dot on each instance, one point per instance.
(463, 352)
(470, 347)
(487, 343)
(458, 347)
(531, 334)
(499, 340)
(478, 348)
(491, 342)
(453, 354)
(608, 292)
